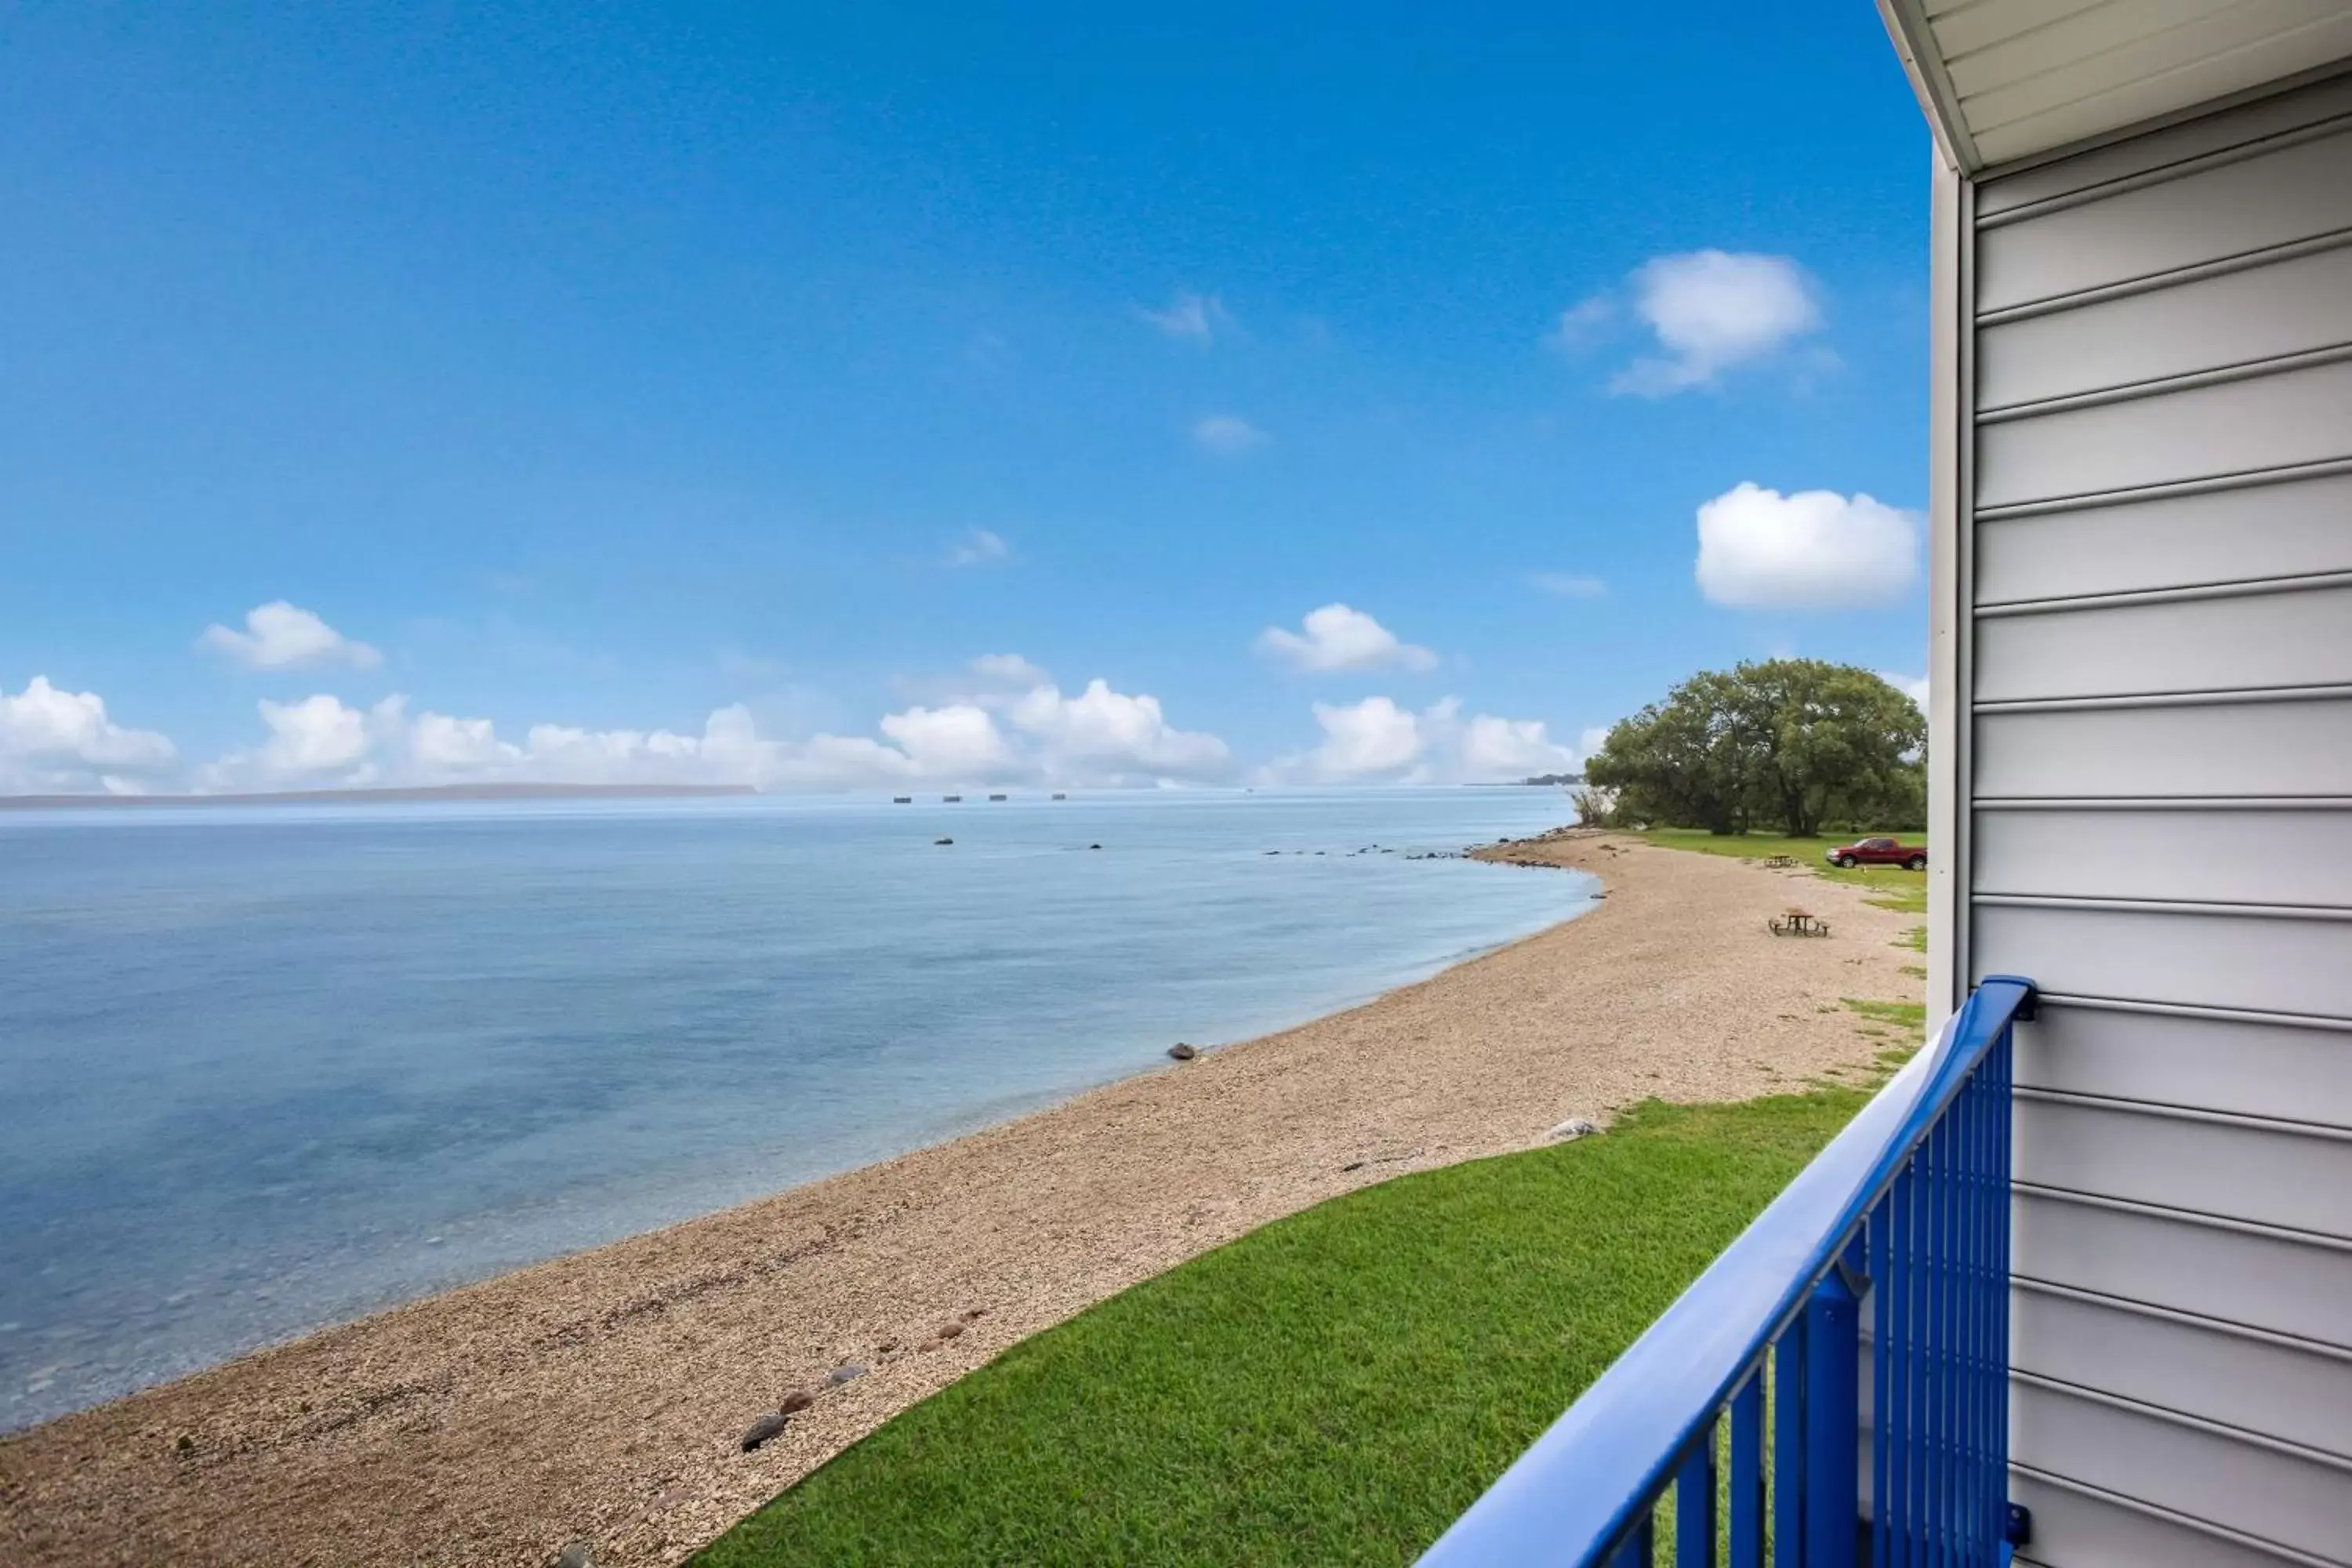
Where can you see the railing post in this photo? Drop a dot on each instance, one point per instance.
(1833, 1424)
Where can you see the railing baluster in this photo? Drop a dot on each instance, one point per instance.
(1788, 1448)
(1832, 1455)
(1748, 1472)
(1997, 1066)
(1964, 1304)
(1695, 1504)
(1941, 1381)
(1882, 1350)
(1902, 1298)
(1639, 1549)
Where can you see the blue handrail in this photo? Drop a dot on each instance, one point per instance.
(1909, 1205)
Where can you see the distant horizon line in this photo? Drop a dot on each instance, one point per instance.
(526, 791)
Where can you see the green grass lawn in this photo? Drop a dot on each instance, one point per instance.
(1893, 888)
(1333, 1388)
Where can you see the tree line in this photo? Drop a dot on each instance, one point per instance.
(1791, 745)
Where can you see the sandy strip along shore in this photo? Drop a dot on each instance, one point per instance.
(601, 1397)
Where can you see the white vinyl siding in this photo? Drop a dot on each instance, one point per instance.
(2157, 817)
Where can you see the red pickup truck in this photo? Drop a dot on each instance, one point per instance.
(1878, 852)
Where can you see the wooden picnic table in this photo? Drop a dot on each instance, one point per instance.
(1794, 922)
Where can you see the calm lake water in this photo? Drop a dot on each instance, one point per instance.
(263, 1069)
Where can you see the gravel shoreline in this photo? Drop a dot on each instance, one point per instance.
(601, 1397)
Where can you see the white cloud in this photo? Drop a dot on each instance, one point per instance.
(1337, 636)
(279, 636)
(1914, 687)
(1568, 584)
(1009, 669)
(1493, 748)
(1376, 741)
(1099, 737)
(978, 547)
(1107, 735)
(1812, 549)
(1711, 310)
(63, 743)
(1583, 323)
(1192, 318)
(1228, 435)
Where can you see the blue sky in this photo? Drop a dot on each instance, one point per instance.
(607, 369)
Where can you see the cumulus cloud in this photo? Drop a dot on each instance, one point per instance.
(1568, 584)
(1228, 435)
(978, 547)
(279, 636)
(1110, 735)
(1378, 741)
(1812, 549)
(1037, 736)
(1492, 748)
(64, 743)
(1709, 311)
(1192, 318)
(1337, 636)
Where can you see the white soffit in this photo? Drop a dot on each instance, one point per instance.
(2004, 79)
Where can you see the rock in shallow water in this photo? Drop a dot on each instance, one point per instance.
(1183, 1052)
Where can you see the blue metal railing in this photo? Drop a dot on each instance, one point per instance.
(1902, 1222)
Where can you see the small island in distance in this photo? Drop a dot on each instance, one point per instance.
(365, 797)
(1555, 779)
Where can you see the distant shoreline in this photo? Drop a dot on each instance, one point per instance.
(367, 797)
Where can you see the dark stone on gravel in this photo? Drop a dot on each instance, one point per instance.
(948, 1330)
(799, 1399)
(767, 1426)
(578, 1554)
(849, 1371)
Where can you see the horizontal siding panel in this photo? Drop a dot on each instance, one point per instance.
(2262, 1385)
(2302, 1503)
(2195, 432)
(2215, 749)
(2288, 307)
(2199, 960)
(2229, 209)
(2301, 1181)
(2284, 530)
(2213, 855)
(2280, 1283)
(2072, 1530)
(2230, 643)
(2231, 1065)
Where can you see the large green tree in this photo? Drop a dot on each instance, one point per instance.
(1793, 744)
